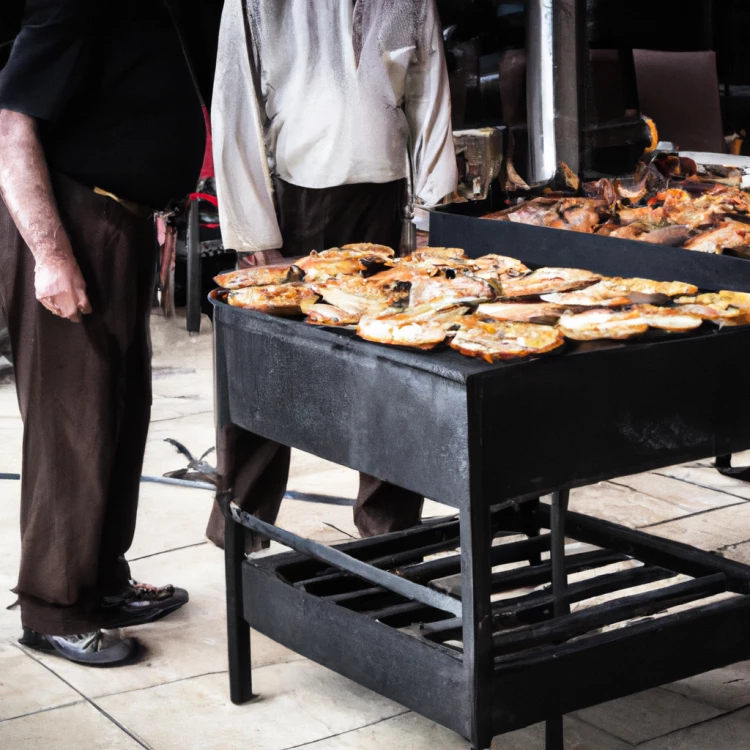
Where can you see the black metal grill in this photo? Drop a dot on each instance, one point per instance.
(467, 620)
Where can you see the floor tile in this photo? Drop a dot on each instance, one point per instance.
(189, 642)
(78, 727)
(27, 687)
(686, 497)
(578, 736)
(709, 531)
(624, 506)
(408, 731)
(299, 703)
(730, 732)
(727, 688)
(737, 552)
(708, 477)
(646, 715)
(170, 517)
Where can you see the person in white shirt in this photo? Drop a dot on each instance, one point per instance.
(322, 111)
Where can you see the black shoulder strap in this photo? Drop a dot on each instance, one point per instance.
(175, 16)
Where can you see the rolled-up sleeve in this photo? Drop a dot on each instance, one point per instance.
(428, 110)
(243, 181)
(48, 59)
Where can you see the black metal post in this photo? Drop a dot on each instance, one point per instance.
(476, 586)
(561, 604)
(238, 631)
(193, 269)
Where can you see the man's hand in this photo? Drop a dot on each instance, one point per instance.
(61, 289)
(27, 191)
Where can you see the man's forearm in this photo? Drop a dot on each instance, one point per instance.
(27, 191)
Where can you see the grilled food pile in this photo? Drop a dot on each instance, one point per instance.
(669, 201)
(492, 307)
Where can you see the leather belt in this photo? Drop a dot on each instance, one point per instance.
(137, 209)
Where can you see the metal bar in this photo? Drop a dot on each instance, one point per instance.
(579, 623)
(664, 553)
(552, 44)
(176, 482)
(343, 561)
(561, 605)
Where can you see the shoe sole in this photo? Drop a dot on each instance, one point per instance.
(45, 647)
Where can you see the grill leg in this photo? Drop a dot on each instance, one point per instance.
(531, 527)
(554, 729)
(476, 539)
(238, 631)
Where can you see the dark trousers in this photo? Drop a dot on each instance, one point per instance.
(84, 391)
(255, 469)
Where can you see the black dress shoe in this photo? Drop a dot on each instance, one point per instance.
(87, 648)
(141, 603)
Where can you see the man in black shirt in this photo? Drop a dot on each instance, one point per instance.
(100, 124)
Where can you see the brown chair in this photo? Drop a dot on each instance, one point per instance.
(680, 92)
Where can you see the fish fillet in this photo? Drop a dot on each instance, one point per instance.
(423, 328)
(547, 281)
(542, 313)
(283, 299)
(357, 296)
(494, 340)
(729, 235)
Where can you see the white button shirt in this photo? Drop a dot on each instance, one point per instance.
(324, 93)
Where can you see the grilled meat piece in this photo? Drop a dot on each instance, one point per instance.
(729, 235)
(259, 276)
(327, 315)
(494, 340)
(421, 327)
(281, 299)
(623, 324)
(546, 281)
(357, 296)
(719, 312)
(320, 268)
(541, 313)
(616, 286)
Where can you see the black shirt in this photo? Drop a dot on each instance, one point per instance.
(112, 89)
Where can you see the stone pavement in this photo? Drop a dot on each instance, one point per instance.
(178, 698)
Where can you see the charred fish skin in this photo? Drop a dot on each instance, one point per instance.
(258, 276)
(282, 300)
(546, 281)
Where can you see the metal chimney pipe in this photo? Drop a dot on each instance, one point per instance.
(553, 78)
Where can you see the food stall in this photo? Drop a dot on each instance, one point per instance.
(513, 610)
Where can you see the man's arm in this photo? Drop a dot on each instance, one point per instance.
(27, 191)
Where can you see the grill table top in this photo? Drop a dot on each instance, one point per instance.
(450, 426)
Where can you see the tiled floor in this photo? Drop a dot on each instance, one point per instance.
(178, 696)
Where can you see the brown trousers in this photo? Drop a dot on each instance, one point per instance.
(256, 469)
(84, 391)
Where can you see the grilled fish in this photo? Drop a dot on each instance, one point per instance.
(259, 276)
(547, 281)
(320, 268)
(421, 327)
(357, 296)
(363, 248)
(283, 299)
(623, 324)
(461, 287)
(542, 313)
(493, 340)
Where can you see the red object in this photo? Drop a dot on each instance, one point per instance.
(207, 170)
